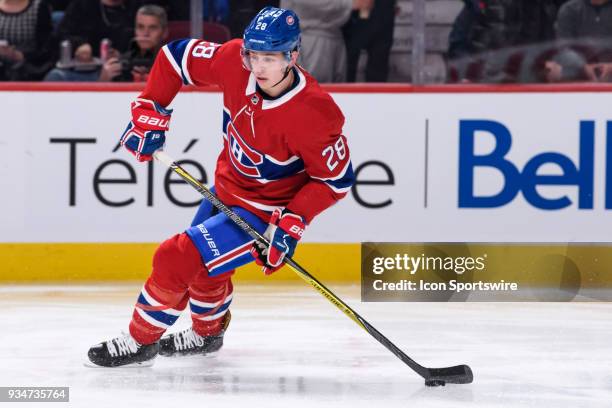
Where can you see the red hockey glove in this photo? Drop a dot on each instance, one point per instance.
(284, 232)
(146, 131)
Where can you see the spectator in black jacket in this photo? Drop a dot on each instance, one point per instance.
(134, 65)
(151, 29)
(501, 40)
(485, 25)
(585, 19)
(585, 29)
(243, 11)
(87, 22)
(26, 44)
(58, 5)
(375, 35)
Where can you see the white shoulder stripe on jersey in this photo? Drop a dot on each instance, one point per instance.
(170, 58)
(190, 44)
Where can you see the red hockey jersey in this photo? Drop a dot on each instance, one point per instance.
(284, 152)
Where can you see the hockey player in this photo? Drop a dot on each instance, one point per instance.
(284, 160)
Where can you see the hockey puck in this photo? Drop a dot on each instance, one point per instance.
(435, 383)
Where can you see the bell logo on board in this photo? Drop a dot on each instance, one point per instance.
(576, 179)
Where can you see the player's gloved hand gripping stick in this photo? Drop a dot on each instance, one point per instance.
(461, 374)
(284, 231)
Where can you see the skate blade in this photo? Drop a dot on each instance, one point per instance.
(196, 355)
(133, 365)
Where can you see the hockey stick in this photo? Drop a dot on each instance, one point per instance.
(461, 374)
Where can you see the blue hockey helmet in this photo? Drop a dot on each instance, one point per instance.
(273, 30)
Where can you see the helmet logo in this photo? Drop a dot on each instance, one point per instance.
(290, 20)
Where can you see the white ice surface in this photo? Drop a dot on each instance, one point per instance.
(288, 347)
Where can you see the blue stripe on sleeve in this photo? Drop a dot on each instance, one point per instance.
(177, 49)
(346, 181)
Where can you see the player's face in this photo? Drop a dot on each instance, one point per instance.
(267, 67)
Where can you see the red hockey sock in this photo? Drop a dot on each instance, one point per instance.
(164, 296)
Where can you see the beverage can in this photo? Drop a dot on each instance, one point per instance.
(105, 46)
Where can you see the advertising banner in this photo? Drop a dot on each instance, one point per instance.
(430, 167)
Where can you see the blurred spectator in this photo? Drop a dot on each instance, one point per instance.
(538, 19)
(585, 19)
(485, 25)
(500, 40)
(216, 11)
(243, 11)
(175, 9)
(26, 44)
(58, 5)
(323, 52)
(87, 22)
(134, 64)
(57, 11)
(373, 32)
(460, 41)
(585, 26)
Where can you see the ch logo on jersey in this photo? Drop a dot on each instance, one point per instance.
(243, 157)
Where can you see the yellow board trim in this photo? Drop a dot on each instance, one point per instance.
(115, 262)
(95, 262)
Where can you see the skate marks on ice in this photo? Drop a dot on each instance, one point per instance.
(287, 346)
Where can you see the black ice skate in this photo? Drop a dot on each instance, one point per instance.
(188, 342)
(123, 351)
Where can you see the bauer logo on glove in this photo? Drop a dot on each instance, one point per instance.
(284, 231)
(152, 121)
(146, 132)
